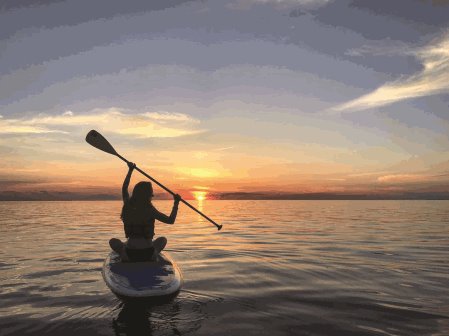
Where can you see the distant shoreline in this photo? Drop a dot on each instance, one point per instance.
(210, 200)
(238, 196)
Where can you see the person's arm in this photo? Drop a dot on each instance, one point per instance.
(174, 211)
(125, 194)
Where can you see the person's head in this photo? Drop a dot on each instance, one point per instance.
(138, 202)
(142, 193)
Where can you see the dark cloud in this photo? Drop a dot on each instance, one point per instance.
(33, 35)
(205, 36)
(185, 35)
(47, 14)
(7, 5)
(431, 13)
(297, 13)
(6, 183)
(360, 23)
(403, 20)
(334, 30)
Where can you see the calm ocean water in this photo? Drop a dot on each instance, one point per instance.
(276, 268)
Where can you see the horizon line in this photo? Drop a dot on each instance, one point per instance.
(235, 196)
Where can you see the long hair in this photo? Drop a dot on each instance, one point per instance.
(139, 202)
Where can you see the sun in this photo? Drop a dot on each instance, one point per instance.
(199, 195)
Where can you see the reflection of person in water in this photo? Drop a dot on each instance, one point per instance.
(138, 216)
(135, 318)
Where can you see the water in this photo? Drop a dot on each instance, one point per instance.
(276, 268)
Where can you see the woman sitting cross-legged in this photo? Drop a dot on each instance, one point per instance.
(138, 216)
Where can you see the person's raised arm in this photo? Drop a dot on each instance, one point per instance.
(125, 194)
(168, 219)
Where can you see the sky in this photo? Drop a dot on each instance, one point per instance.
(259, 97)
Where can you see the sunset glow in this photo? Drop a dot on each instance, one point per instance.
(295, 107)
(199, 195)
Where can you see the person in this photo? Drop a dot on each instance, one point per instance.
(138, 216)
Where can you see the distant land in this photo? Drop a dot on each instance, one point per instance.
(335, 196)
(72, 196)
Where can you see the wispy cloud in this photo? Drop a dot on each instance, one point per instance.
(18, 126)
(167, 116)
(432, 79)
(386, 47)
(145, 125)
(224, 148)
(403, 178)
(201, 187)
(245, 4)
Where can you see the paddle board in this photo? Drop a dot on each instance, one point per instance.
(158, 279)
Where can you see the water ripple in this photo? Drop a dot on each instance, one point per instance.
(276, 268)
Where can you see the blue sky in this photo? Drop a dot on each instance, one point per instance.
(242, 95)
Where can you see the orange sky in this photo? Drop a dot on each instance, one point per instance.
(54, 165)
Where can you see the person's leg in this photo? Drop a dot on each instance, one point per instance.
(159, 244)
(118, 246)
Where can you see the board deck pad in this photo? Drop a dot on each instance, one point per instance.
(142, 279)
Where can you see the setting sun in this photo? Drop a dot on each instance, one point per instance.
(199, 195)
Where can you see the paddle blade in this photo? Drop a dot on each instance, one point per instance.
(98, 141)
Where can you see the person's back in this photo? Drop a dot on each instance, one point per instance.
(137, 215)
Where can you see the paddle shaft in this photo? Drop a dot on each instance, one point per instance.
(171, 192)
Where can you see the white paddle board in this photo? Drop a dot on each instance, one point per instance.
(156, 279)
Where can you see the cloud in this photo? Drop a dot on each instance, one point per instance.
(281, 4)
(17, 126)
(167, 116)
(432, 79)
(201, 187)
(386, 47)
(224, 148)
(402, 178)
(143, 125)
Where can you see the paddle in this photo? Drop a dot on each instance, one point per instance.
(98, 141)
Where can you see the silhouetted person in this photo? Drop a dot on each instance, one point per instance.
(138, 216)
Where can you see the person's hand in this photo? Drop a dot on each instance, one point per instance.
(131, 165)
(176, 198)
